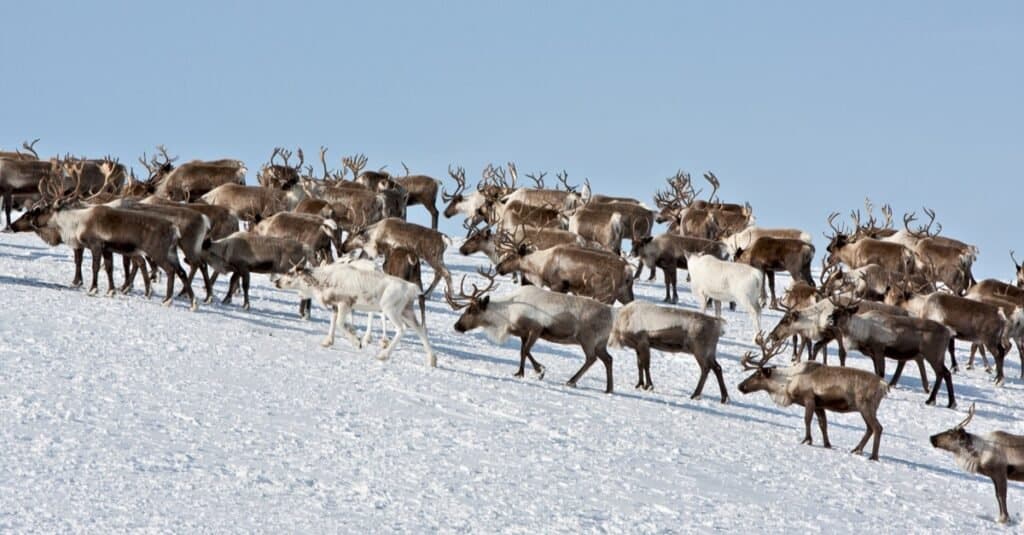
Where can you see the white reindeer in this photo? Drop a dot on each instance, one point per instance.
(725, 281)
(348, 288)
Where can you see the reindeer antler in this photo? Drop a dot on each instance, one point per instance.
(463, 300)
(767, 352)
(970, 416)
(459, 176)
(30, 147)
(356, 163)
(563, 178)
(713, 180)
(1014, 258)
(538, 179)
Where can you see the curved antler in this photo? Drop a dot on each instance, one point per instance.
(970, 416)
(459, 176)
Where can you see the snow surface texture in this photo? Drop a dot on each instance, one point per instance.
(118, 413)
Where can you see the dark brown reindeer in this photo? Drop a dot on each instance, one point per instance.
(403, 263)
(244, 253)
(818, 389)
(779, 254)
(21, 176)
(422, 191)
(531, 313)
(281, 175)
(29, 154)
(644, 326)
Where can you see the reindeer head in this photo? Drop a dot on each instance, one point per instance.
(299, 278)
(762, 375)
(477, 239)
(360, 238)
(474, 303)
(54, 197)
(512, 250)
(840, 237)
(955, 439)
(281, 175)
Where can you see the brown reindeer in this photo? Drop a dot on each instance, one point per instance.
(393, 233)
(105, 231)
(1019, 269)
(893, 257)
(422, 191)
(668, 251)
(191, 180)
(569, 269)
(777, 254)
(818, 389)
(403, 263)
(281, 175)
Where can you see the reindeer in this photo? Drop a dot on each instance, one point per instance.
(749, 235)
(532, 314)
(422, 190)
(1005, 296)
(668, 252)
(191, 180)
(253, 203)
(996, 455)
(725, 281)
(470, 205)
(281, 175)
(30, 153)
(403, 263)
(878, 335)
(769, 255)
(392, 233)
(644, 326)
(536, 198)
(569, 269)
(601, 226)
(893, 257)
(347, 288)
(972, 321)
(818, 389)
(395, 196)
(243, 253)
(105, 231)
(315, 232)
(952, 256)
(485, 240)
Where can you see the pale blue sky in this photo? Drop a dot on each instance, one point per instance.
(800, 108)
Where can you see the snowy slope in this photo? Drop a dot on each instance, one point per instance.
(117, 413)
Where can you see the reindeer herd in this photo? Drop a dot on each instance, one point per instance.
(902, 294)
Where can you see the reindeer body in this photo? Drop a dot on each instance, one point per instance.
(531, 313)
(244, 253)
(192, 180)
(347, 288)
(252, 203)
(570, 268)
(821, 388)
(726, 281)
(645, 326)
(668, 251)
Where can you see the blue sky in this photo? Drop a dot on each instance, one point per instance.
(800, 108)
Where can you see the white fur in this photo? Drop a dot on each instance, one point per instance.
(725, 281)
(347, 288)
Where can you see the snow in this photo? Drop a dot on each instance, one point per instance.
(117, 414)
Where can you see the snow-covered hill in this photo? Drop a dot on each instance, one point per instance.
(117, 413)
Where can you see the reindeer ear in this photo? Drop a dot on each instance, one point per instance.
(207, 243)
(767, 371)
(645, 240)
(484, 302)
(522, 250)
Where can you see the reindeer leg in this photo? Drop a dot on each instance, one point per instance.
(591, 358)
(409, 317)
(896, 374)
(668, 285)
(245, 289)
(385, 354)
(207, 283)
(704, 371)
(643, 362)
(999, 354)
(147, 282)
(96, 254)
(8, 206)
(606, 359)
(771, 286)
(169, 272)
(924, 374)
(999, 480)
(79, 253)
(823, 424)
(108, 264)
(808, 415)
(952, 354)
(675, 284)
(232, 286)
(328, 341)
(129, 277)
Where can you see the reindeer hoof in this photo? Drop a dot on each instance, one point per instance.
(570, 384)
(382, 356)
(111, 292)
(166, 302)
(857, 451)
(695, 396)
(432, 360)
(92, 291)
(195, 305)
(245, 307)
(208, 300)
(827, 446)
(930, 402)
(725, 399)
(327, 342)
(540, 372)
(806, 441)
(518, 374)
(999, 381)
